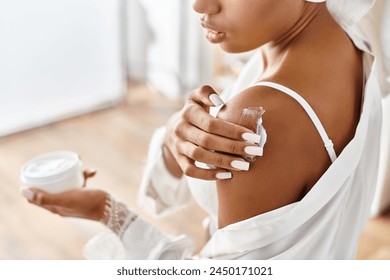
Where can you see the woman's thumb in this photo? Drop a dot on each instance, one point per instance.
(34, 196)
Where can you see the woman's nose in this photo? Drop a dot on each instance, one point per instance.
(206, 6)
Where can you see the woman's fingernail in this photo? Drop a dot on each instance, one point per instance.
(224, 175)
(254, 150)
(240, 165)
(251, 137)
(216, 100)
(27, 193)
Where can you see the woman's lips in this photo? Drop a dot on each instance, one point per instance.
(212, 35)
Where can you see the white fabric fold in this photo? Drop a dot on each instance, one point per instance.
(141, 241)
(160, 192)
(367, 22)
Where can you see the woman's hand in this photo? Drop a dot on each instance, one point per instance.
(194, 135)
(81, 203)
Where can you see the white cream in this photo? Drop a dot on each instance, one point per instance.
(53, 172)
(46, 168)
(253, 117)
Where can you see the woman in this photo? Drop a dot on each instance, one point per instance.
(308, 195)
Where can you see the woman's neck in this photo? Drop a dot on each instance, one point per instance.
(305, 31)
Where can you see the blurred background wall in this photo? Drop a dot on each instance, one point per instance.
(58, 59)
(67, 57)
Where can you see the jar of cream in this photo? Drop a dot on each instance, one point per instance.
(53, 172)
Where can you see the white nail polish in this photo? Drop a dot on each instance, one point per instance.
(224, 175)
(216, 100)
(27, 193)
(251, 137)
(254, 151)
(240, 165)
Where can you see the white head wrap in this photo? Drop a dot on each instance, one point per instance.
(367, 22)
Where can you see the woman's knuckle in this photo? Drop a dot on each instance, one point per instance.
(197, 153)
(232, 133)
(204, 123)
(186, 114)
(176, 146)
(211, 125)
(219, 161)
(177, 128)
(39, 199)
(207, 124)
(232, 148)
(204, 140)
(192, 153)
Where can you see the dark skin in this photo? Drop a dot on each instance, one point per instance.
(303, 49)
(294, 149)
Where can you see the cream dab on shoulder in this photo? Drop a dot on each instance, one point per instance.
(252, 117)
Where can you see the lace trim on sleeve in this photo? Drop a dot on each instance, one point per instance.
(117, 217)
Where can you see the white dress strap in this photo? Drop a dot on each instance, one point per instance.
(309, 110)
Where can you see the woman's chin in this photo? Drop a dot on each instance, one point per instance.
(229, 48)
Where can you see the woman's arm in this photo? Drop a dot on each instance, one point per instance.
(293, 160)
(138, 239)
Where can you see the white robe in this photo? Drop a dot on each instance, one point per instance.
(325, 224)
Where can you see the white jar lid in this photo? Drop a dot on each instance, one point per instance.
(50, 166)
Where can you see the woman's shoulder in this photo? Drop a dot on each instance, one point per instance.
(284, 170)
(330, 79)
(294, 155)
(332, 88)
(291, 132)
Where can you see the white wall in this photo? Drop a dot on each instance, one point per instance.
(57, 59)
(138, 37)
